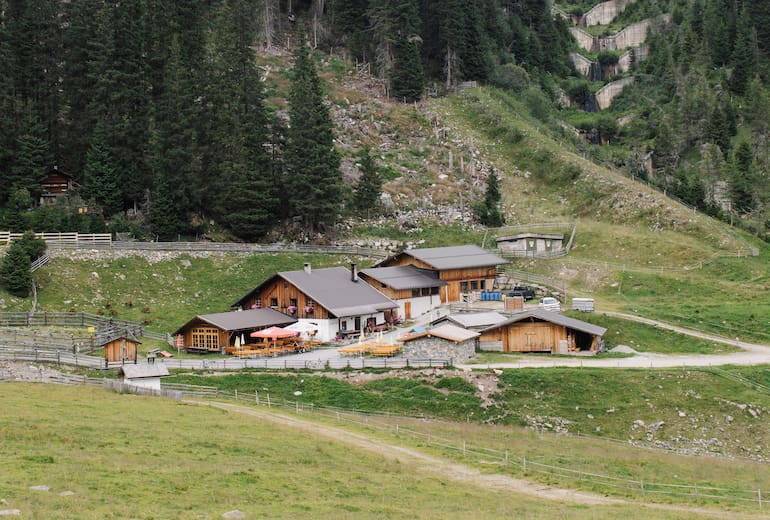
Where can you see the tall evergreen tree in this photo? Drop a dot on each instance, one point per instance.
(369, 185)
(15, 274)
(313, 177)
(743, 178)
(100, 176)
(33, 155)
(488, 213)
(406, 74)
(16, 216)
(744, 57)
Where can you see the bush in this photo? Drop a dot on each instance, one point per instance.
(510, 77)
(15, 273)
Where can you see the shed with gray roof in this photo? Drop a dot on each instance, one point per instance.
(144, 375)
(472, 320)
(542, 331)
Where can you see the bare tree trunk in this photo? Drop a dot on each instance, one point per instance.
(449, 60)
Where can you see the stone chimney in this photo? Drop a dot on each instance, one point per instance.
(307, 268)
(353, 273)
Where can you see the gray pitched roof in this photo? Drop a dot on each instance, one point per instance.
(404, 277)
(518, 236)
(449, 332)
(333, 289)
(243, 320)
(552, 317)
(139, 371)
(454, 257)
(472, 320)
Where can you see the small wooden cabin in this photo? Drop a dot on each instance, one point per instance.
(121, 349)
(55, 184)
(542, 331)
(465, 269)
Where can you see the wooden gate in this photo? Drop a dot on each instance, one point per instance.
(529, 336)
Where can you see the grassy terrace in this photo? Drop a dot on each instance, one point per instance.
(124, 456)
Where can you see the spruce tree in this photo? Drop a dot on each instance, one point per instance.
(15, 274)
(743, 178)
(369, 186)
(744, 58)
(313, 179)
(492, 197)
(406, 74)
(100, 176)
(16, 217)
(33, 154)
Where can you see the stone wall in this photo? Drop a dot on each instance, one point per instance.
(428, 347)
(607, 93)
(604, 13)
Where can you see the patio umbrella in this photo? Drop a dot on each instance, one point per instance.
(237, 344)
(274, 333)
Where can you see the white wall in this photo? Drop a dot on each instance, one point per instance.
(144, 382)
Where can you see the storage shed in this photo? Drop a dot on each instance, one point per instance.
(121, 349)
(471, 320)
(442, 342)
(144, 376)
(542, 331)
(530, 244)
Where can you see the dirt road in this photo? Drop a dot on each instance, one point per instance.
(445, 469)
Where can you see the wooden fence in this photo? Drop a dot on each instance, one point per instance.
(60, 357)
(63, 239)
(105, 327)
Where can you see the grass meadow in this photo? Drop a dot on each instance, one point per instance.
(121, 456)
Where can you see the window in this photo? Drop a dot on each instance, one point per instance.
(474, 285)
(482, 284)
(434, 290)
(274, 302)
(415, 293)
(205, 337)
(464, 286)
(425, 291)
(292, 302)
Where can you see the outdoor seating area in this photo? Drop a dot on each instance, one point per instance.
(377, 347)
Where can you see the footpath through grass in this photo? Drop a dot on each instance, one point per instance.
(123, 456)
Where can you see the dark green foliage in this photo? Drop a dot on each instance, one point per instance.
(744, 59)
(743, 178)
(366, 198)
(488, 213)
(510, 76)
(15, 273)
(33, 157)
(100, 176)
(15, 217)
(312, 164)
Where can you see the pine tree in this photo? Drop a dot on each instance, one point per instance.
(744, 58)
(492, 197)
(15, 274)
(743, 178)
(33, 155)
(313, 178)
(100, 176)
(16, 217)
(369, 186)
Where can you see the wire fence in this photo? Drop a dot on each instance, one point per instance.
(516, 461)
(513, 461)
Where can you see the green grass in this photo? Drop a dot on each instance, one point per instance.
(131, 457)
(601, 402)
(166, 293)
(646, 338)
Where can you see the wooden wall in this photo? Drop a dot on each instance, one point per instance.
(283, 291)
(114, 352)
(534, 336)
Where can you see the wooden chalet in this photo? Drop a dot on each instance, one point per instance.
(334, 299)
(55, 184)
(542, 331)
(121, 349)
(415, 290)
(465, 269)
(215, 332)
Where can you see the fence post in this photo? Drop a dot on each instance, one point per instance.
(236, 394)
(464, 449)
(506, 456)
(268, 400)
(759, 497)
(641, 484)
(524, 464)
(256, 396)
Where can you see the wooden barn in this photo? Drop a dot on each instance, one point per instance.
(542, 331)
(415, 290)
(335, 300)
(465, 269)
(213, 332)
(121, 349)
